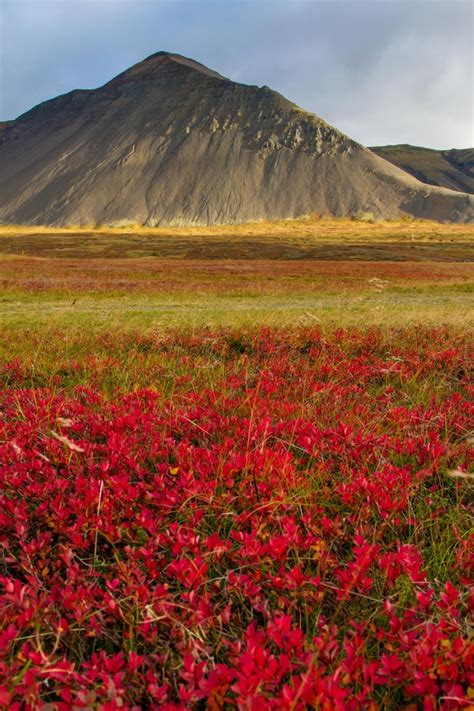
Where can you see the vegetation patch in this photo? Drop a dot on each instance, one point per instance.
(237, 518)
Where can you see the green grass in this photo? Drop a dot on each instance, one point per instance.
(453, 305)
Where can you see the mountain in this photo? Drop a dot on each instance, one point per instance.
(171, 142)
(452, 169)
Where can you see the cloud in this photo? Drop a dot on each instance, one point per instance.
(383, 71)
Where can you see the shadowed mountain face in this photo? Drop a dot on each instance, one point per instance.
(170, 142)
(452, 169)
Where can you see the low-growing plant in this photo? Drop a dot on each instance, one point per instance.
(224, 519)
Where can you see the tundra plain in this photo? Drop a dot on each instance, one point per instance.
(236, 467)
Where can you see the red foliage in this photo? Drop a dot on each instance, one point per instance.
(262, 543)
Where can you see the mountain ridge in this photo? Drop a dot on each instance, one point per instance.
(169, 141)
(451, 168)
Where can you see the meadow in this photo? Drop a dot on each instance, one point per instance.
(236, 480)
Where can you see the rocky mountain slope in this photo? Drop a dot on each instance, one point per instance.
(171, 142)
(452, 169)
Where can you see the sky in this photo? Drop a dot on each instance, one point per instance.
(382, 71)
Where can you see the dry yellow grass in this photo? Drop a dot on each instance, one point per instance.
(326, 228)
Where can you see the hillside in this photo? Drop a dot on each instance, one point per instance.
(452, 169)
(171, 142)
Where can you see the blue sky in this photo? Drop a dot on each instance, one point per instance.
(383, 71)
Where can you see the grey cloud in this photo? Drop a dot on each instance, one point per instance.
(383, 71)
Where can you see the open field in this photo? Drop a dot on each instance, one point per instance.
(210, 248)
(337, 239)
(153, 293)
(237, 479)
(332, 271)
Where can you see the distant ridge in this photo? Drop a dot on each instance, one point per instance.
(172, 142)
(452, 168)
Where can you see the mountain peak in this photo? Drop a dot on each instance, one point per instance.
(162, 61)
(169, 141)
